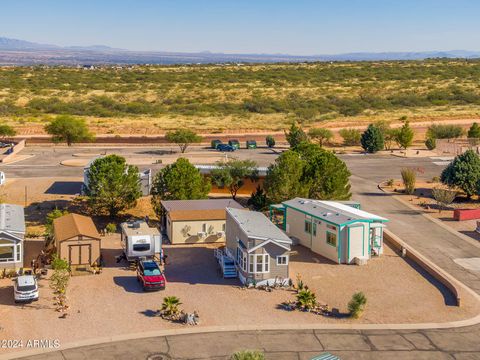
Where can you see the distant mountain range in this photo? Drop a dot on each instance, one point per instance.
(21, 52)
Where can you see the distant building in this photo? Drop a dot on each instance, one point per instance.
(12, 235)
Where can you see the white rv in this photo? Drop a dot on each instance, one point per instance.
(139, 240)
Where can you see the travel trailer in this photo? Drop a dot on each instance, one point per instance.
(139, 240)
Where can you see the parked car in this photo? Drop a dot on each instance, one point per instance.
(2, 178)
(150, 275)
(225, 147)
(25, 288)
(234, 143)
(4, 145)
(251, 144)
(215, 143)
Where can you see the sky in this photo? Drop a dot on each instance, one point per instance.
(297, 27)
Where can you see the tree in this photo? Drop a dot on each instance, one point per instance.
(372, 139)
(440, 131)
(463, 173)
(357, 304)
(183, 138)
(52, 215)
(390, 137)
(112, 186)
(284, 178)
(443, 197)
(325, 176)
(258, 200)
(404, 136)
(295, 135)
(270, 141)
(232, 174)
(409, 179)
(351, 137)
(6, 131)
(69, 129)
(321, 135)
(474, 131)
(178, 181)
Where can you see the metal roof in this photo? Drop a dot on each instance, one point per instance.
(256, 225)
(332, 211)
(12, 218)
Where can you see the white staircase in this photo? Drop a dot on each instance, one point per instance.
(226, 263)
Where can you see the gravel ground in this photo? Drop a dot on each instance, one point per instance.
(113, 303)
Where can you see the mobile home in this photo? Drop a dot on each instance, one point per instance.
(337, 231)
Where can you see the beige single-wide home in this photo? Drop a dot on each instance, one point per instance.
(340, 232)
(260, 249)
(77, 240)
(195, 221)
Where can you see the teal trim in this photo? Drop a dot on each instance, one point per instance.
(363, 240)
(335, 224)
(348, 245)
(284, 219)
(369, 245)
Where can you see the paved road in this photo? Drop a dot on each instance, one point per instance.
(432, 240)
(294, 344)
(426, 236)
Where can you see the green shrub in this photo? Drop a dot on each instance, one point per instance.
(110, 228)
(372, 139)
(351, 137)
(441, 131)
(356, 306)
(409, 180)
(59, 264)
(270, 141)
(248, 355)
(431, 143)
(306, 299)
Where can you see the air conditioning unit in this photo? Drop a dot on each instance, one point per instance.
(221, 234)
(202, 234)
(360, 261)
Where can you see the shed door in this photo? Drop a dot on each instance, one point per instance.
(80, 254)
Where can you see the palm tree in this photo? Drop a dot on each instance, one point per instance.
(306, 299)
(170, 305)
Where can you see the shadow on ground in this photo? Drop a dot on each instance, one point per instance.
(128, 283)
(194, 265)
(65, 188)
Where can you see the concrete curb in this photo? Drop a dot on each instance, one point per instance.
(232, 328)
(432, 219)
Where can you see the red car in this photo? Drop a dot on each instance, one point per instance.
(150, 275)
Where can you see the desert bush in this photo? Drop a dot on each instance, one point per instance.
(306, 299)
(409, 180)
(356, 306)
(270, 141)
(441, 131)
(248, 355)
(351, 137)
(430, 143)
(443, 197)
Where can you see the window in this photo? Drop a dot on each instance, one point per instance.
(223, 227)
(241, 259)
(6, 253)
(204, 227)
(314, 229)
(308, 226)
(331, 239)
(18, 252)
(282, 260)
(259, 263)
(141, 247)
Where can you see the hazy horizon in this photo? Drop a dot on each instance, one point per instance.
(304, 27)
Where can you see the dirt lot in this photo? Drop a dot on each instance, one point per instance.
(113, 303)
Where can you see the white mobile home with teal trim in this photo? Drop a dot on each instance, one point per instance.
(339, 232)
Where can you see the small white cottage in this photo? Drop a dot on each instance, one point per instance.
(337, 231)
